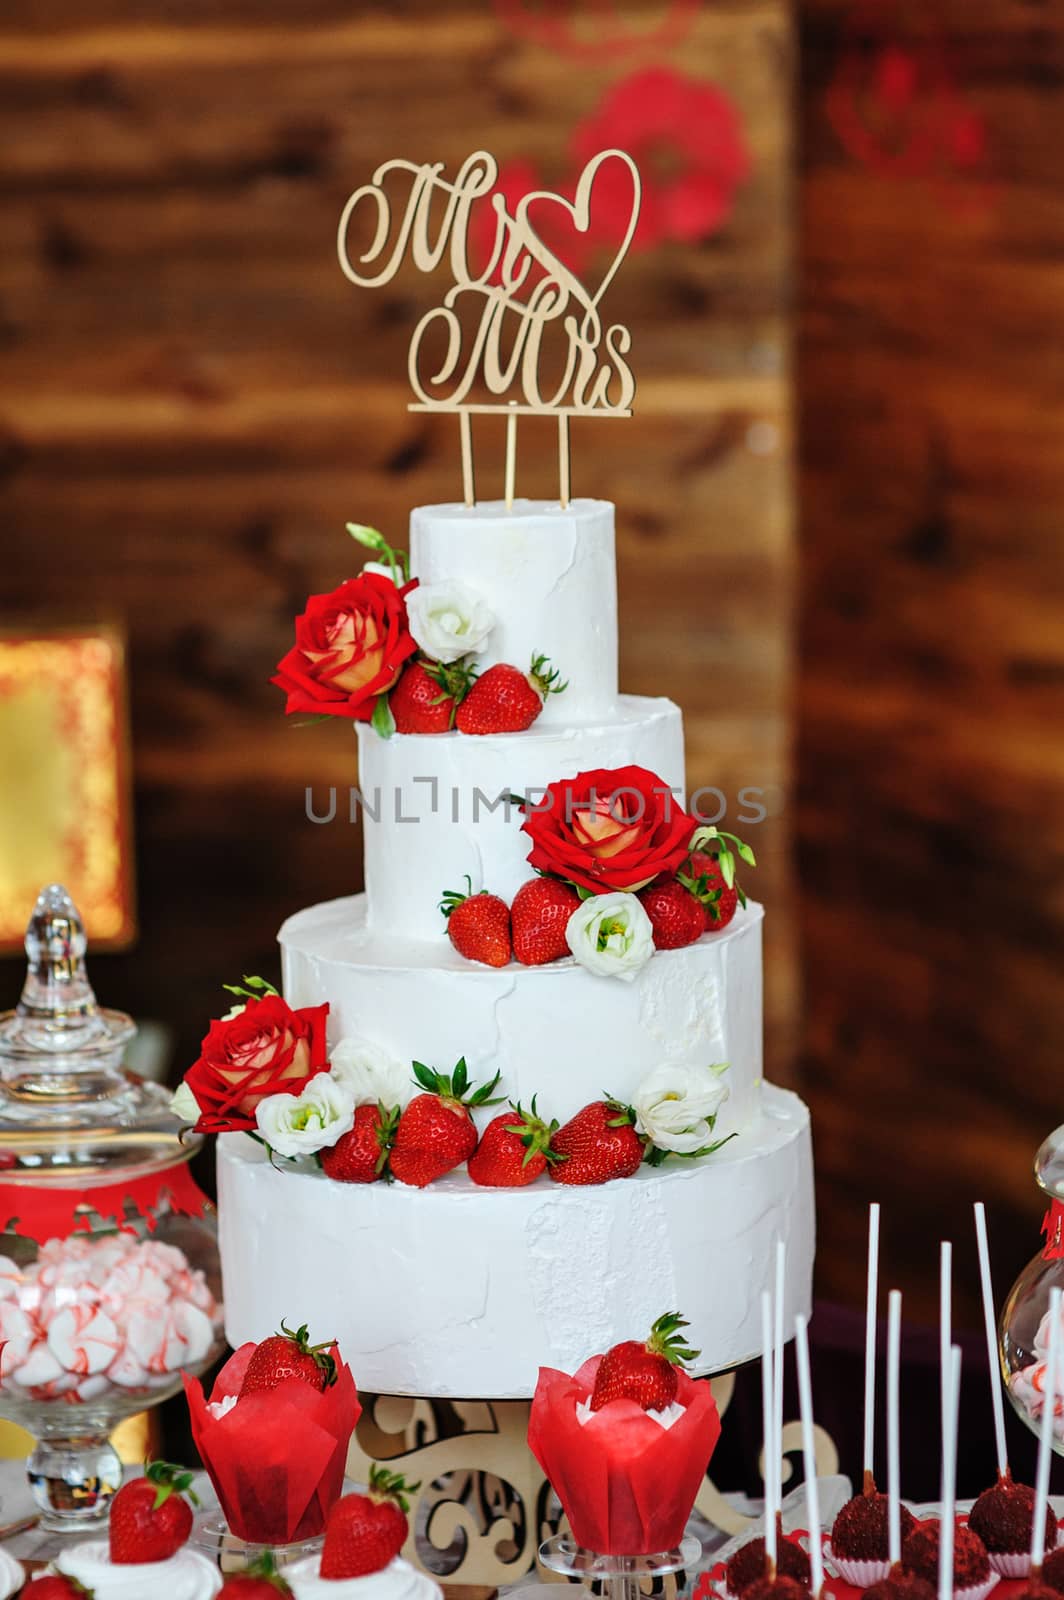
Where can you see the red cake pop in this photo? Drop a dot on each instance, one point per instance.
(899, 1585)
(747, 1565)
(778, 1588)
(1053, 1570)
(859, 1533)
(971, 1565)
(1003, 1517)
(1037, 1590)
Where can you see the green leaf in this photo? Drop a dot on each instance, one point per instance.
(583, 891)
(311, 722)
(382, 721)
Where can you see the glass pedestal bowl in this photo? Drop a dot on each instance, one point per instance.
(109, 1274)
(1023, 1329)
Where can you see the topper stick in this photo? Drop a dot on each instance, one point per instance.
(871, 1308)
(563, 459)
(511, 456)
(465, 428)
(947, 1525)
(945, 1323)
(812, 1488)
(893, 1443)
(991, 1339)
(777, 1377)
(769, 1432)
(1050, 1389)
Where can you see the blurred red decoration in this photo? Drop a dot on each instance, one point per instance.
(687, 139)
(515, 180)
(595, 30)
(895, 101)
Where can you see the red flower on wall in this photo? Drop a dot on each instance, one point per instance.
(895, 102)
(687, 140)
(595, 30)
(515, 180)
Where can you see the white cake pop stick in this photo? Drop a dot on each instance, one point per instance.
(893, 1442)
(951, 1384)
(871, 1311)
(1050, 1389)
(945, 1327)
(812, 1488)
(991, 1339)
(767, 1368)
(777, 1373)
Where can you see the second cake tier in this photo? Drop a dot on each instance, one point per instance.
(556, 1031)
(436, 811)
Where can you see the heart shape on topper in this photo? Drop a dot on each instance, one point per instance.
(578, 211)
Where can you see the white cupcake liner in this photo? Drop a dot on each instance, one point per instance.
(861, 1574)
(1011, 1564)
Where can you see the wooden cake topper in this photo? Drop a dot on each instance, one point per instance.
(522, 297)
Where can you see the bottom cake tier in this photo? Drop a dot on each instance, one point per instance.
(465, 1292)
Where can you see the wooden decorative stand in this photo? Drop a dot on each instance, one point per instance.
(484, 1507)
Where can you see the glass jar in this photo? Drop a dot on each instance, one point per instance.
(110, 1283)
(1023, 1329)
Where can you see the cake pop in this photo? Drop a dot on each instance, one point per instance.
(777, 1588)
(1053, 1570)
(747, 1565)
(972, 1576)
(1003, 1515)
(859, 1533)
(900, 1585)
(1038, 1589)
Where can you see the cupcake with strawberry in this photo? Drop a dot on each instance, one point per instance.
(146, 1550)
(274, 1435)
(361, 1557)
(626, 1440)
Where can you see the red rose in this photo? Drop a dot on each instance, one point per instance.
(608, 829)
(265, 1049)
(350, 647)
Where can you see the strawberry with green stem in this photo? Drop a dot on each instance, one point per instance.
(361, 1154)
(506, 700)
(436, 1132)
(514, 1149)
(645, 1370)
(710, 874)
(365, 1532)
(150, 1519)
(288, 1355)
(478, 925)
(260, 1581)
(428, 694)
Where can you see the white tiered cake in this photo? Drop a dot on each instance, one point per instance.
(464, 1291)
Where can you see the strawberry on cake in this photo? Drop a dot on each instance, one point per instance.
(146, 1550)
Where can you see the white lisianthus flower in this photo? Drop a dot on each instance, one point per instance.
(383, 569)
(183, 1103)
(676, 1106)
(448, 620)
(370, 1074)
(611, 935)
(301, 1124)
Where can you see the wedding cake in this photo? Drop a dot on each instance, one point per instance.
(457, 1287)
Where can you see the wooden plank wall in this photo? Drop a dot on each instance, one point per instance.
(931, 693)
(193, 401)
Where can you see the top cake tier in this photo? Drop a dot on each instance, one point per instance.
(549, 576)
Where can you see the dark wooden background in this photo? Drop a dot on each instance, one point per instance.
(193, 401)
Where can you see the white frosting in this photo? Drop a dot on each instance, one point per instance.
(397, 1581)
(186, 1576)
(550, 578)
(556, 1030)
(665, 1417)
(12, 1575)
(426, 817)
(484, 1286)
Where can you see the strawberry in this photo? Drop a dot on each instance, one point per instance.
(367, 1531)
(428, 694)
(436, 1132)
(150, 1518)
(645, 1373)
(539, 916)
(676, 915)
(507, 700)
(288, 1355)
(710, 875)
(598, 1144)
(260, 1581)
(361, 1154)
(478, 925)
(514, 1149)
(56, 1586)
